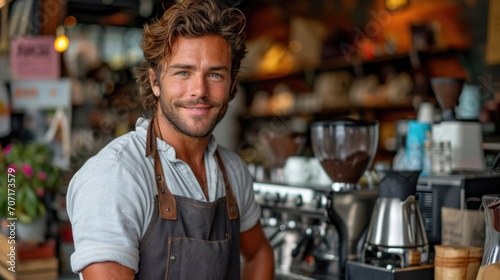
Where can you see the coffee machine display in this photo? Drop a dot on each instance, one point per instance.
(465, 136)
(396, 236)
(346, 149)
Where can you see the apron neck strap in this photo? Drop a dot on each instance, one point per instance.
(151, 139)
(232, 206)
(166, 200)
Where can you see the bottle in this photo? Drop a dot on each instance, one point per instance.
(417, 135)
(427, 157)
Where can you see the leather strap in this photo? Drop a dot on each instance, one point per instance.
(151, 139)
(166, 200)
(232, 206)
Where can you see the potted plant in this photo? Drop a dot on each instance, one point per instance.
(27, 176)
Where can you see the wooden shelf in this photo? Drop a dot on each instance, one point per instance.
(333, 111)
(340, 63)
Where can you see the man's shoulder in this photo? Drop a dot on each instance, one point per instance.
(131, 144)
(229, 156)
(127, 150)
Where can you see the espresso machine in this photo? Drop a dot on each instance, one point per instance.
(293, 217)
(315, 228)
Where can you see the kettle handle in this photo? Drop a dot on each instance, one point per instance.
(409, 199)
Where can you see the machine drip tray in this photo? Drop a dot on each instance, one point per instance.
(362, 271)
(282, 275)
(290, 276)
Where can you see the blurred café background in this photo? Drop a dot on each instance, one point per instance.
(371, 128)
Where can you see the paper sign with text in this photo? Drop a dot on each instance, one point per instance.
(34, 58)
(41, 94)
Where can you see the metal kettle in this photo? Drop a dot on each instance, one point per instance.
(396, 226)
(397, 223)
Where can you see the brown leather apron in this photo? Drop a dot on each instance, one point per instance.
(188, 238)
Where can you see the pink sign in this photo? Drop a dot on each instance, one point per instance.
(34, 58)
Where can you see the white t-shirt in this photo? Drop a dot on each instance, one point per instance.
(110, 199)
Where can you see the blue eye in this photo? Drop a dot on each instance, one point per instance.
(216, 75)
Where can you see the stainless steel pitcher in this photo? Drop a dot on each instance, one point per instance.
(396, 234)
(397, 223)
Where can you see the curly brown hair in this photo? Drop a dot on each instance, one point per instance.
(189, 18)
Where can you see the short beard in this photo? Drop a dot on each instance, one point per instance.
(179, 125)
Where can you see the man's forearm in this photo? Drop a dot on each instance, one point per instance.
(261, 266)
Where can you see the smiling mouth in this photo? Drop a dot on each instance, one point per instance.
(197, 110)
(198, 106)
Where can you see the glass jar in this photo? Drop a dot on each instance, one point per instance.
(440, 157)
(491, 253)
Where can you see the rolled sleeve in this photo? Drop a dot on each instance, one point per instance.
(106, 209)
(125, 256)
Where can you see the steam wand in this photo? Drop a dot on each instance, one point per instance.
(342, 232)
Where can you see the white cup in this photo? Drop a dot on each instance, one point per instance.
(426, 112)
(297, 170)
(318, 174)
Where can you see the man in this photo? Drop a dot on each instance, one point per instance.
(165, 201)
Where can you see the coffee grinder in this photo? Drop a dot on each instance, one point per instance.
(345, 149)
(465, 136)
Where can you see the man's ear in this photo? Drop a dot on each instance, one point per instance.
(233, 86)
(155, 86)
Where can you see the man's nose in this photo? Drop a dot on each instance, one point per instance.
(199, 86)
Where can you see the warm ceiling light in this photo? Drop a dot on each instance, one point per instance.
(61, 42)
(396, 5)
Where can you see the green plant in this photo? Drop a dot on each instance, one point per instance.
(27, 174)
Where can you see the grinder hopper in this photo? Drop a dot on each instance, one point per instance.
(345, 149)
(447, 91)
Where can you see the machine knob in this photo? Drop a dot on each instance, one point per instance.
(284, 199)
(272, 197)
(277, 198)
(318, 201)
(266, 197)
(299, 201)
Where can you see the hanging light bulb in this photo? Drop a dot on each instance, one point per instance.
(396, 5)
(61, 42)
